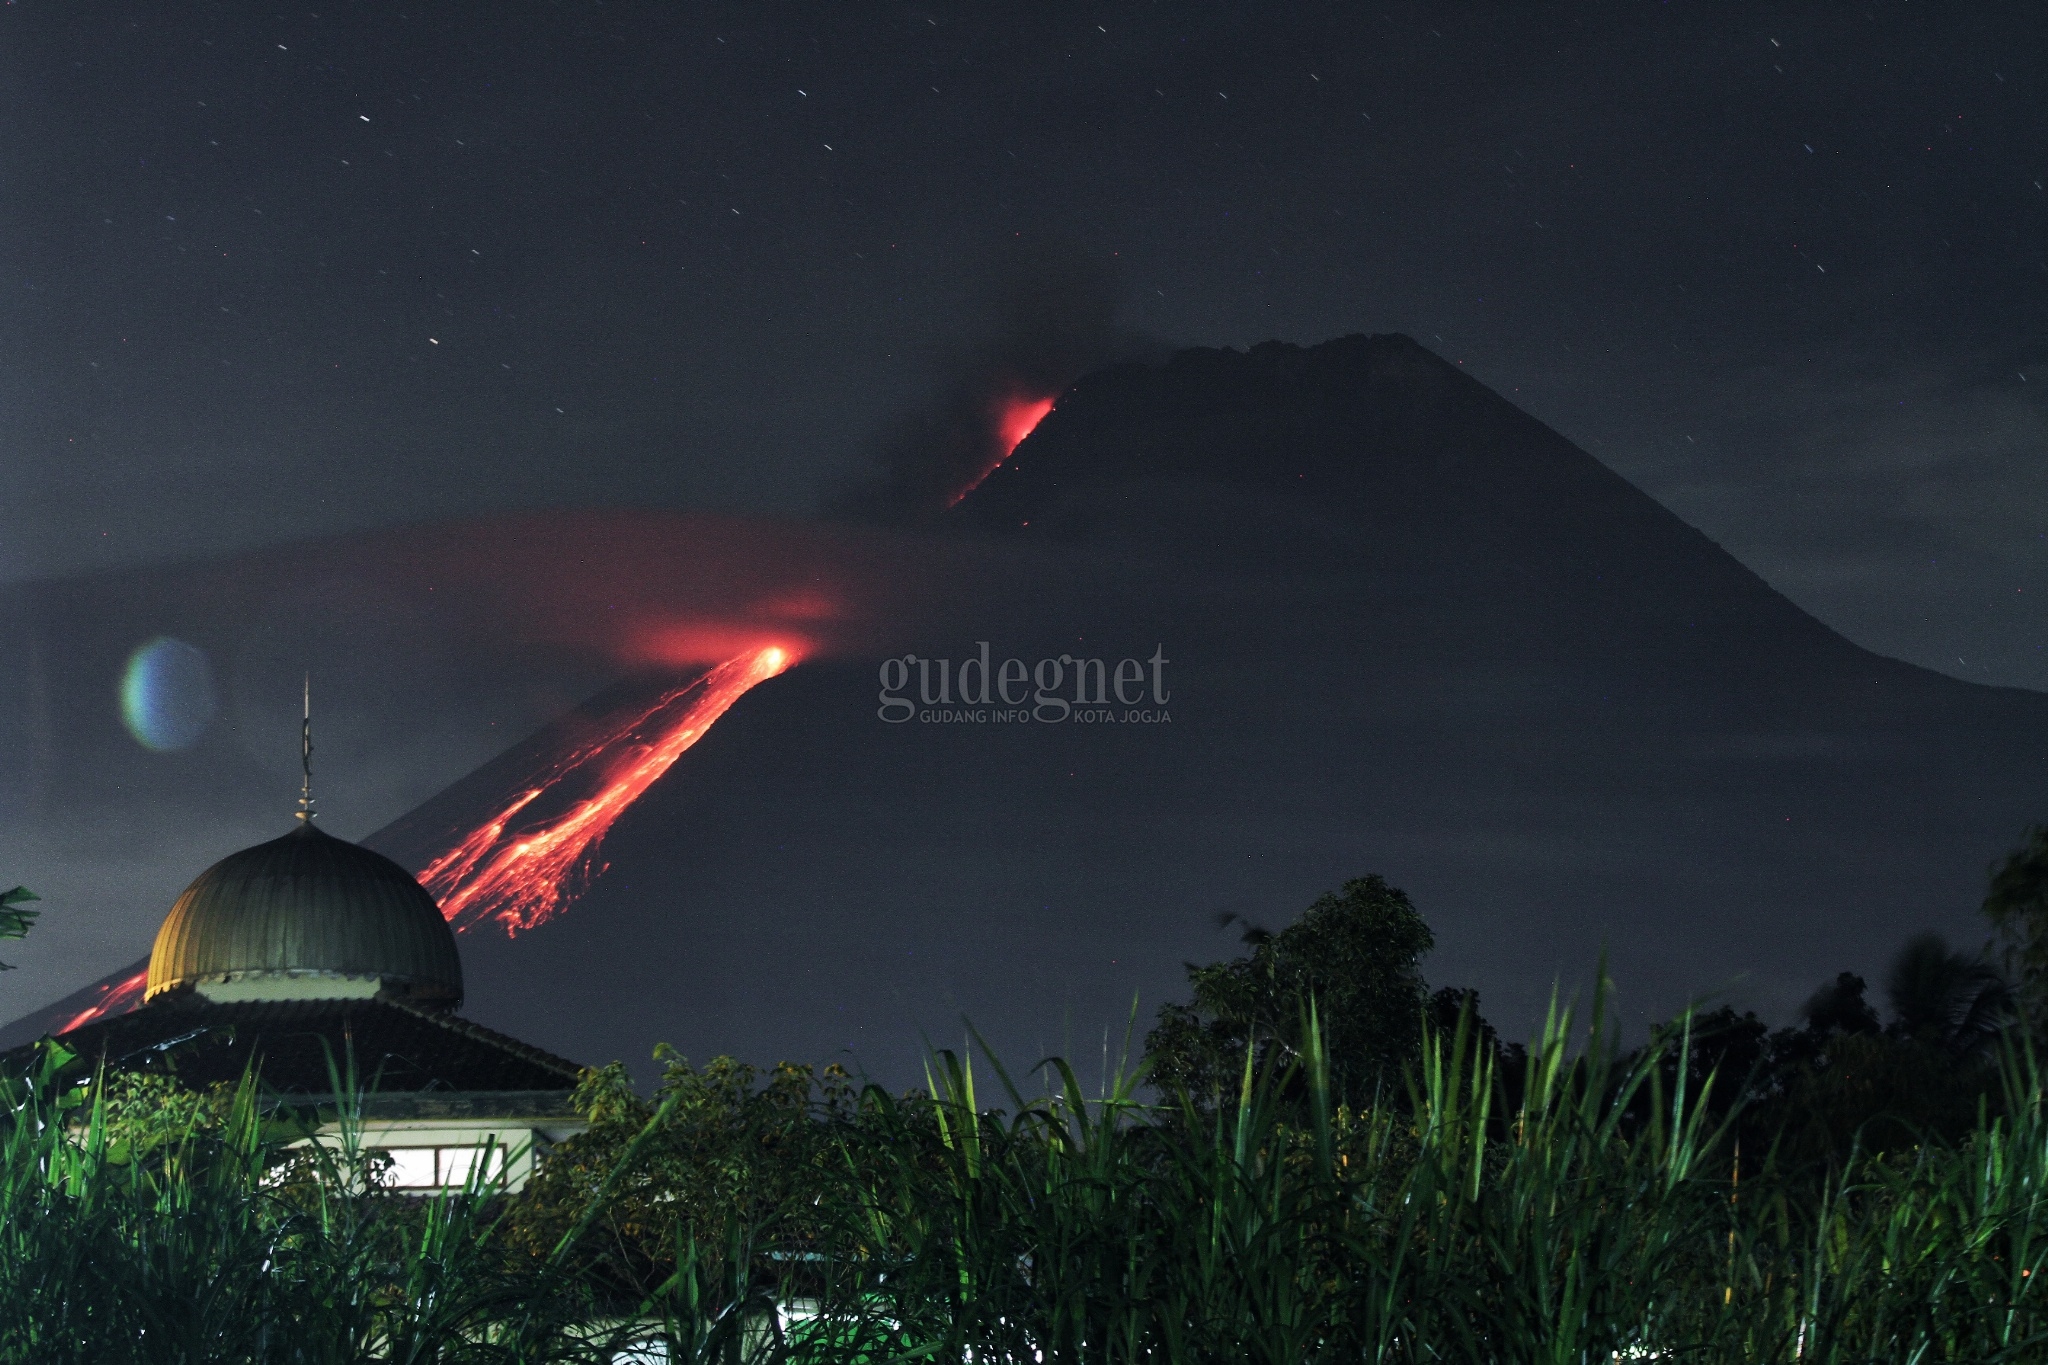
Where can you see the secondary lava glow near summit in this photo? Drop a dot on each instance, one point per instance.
(1016, 416)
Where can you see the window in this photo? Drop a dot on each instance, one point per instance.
(458, 1164)
(412, 1168)
(429, 1168)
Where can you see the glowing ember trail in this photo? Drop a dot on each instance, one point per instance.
(521, 876)
(120, 997)
(1016, 418)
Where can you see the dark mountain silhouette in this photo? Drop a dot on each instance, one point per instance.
(1412, 631)
(1409, 630)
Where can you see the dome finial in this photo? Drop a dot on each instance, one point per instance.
(306, 811)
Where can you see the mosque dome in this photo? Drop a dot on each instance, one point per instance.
(306, 917)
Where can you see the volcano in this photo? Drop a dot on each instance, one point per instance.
(1411, 631)
(1398, 626)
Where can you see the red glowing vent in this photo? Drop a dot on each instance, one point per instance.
(1016, 417)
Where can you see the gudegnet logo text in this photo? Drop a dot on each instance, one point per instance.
(1060, 689)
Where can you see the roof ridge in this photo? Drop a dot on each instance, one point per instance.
(468, 1028)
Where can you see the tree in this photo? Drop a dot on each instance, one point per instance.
(1839, 1007)
(1355, 952)
(1813, 1094)
(2017, 905)
(722, 1155)
(1944, 999)
(14, 920)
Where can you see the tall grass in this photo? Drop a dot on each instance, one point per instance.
(1584, 1209)
(1077, 1229)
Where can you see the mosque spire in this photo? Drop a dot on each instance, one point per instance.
(306, 811)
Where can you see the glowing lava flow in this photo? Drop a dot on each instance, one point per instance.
(119, 998)
(1016, 418)
(522, 876)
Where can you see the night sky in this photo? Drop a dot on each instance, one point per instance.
(290, 275)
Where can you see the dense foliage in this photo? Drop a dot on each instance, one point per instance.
(2017, 905)
(1842, 1080)
(717, 1154)
(1596, 1216)
(1358, 952)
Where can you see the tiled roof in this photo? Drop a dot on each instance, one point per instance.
(299, 1046)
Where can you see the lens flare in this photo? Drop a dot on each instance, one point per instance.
(167, 697)
(1016, 417)
(522, 873)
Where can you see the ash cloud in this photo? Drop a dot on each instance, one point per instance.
(1044, 316)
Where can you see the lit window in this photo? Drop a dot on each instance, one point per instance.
(458, 1164)
(412, 1168)
(427, 1168)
